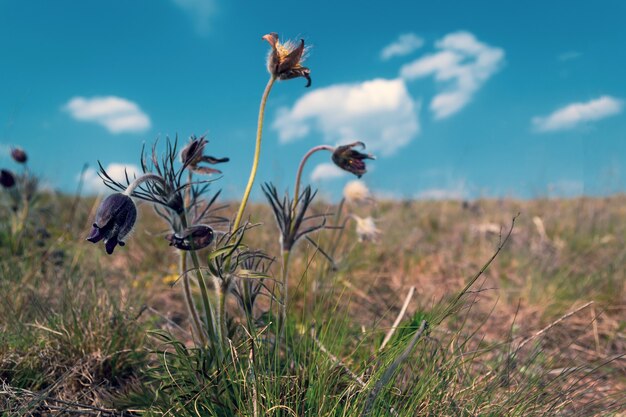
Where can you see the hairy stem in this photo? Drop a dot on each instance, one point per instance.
(221, 318)
(191, 305)
(285, 281)
(257, 153)
(301, 168)
(144, 178)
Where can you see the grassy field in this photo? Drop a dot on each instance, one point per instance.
(542, 331)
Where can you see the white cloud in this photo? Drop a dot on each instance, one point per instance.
(116, 114)
(93, 183)
(575, 114)
(200, 12)
(326, 171)
(379, 112)
(464, 63)
(404, 45)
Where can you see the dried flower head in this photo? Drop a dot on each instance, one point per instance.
(351, 160)
(366, 229)
(7, 179)
(192, 156)
(19, 155)
(285, 59)
(192, 238)
(356, 191)
(114, 221)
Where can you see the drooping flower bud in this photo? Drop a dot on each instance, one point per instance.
(285, 59)
(192, 238)
(19, 155)
(6, 178)
(114, 221)
(351, 160)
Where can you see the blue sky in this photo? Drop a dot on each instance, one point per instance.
(457, 99)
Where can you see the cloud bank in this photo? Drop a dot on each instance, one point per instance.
(116, 114)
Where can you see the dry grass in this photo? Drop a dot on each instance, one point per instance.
(562, 255)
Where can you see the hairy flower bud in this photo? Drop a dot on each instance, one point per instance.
(192, 238)
(19, 155)
(348, 159)
(192, 156)
(114, 221)
(6, 178)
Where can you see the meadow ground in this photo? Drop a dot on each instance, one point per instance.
(541, 332)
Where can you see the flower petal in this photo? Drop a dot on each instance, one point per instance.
(293, 59)
(95, 235)
(110, 244)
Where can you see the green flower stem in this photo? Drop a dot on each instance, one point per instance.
(257, 153)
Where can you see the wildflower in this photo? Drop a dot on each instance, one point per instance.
(348, 159)
(6, 178)
(366, 229)
(192, 238)
(285, 60)
(19, 155)
(114, 221)
(356, 192)
(193, 154)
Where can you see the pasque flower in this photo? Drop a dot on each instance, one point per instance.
(356, 191)
(351, 160)
(366, 229)
(114, 221)
(192, 156)
(285, 59)
(19, 155)
(192, 238)
(6, 178)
